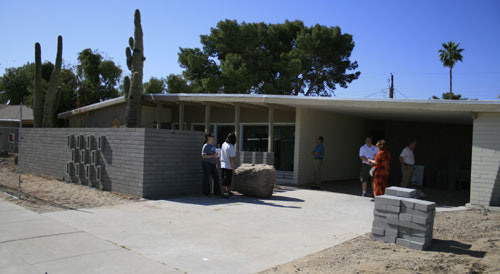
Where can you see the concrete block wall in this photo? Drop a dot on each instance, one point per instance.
(45, 152)
(402, 219)
(4, 139)
(485, 169)
(172, 162)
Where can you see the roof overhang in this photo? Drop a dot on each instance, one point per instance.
(448, 111)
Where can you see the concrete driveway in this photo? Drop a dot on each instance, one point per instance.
(241, 235)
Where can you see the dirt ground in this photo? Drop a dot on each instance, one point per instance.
(466, 241)
(42, 194)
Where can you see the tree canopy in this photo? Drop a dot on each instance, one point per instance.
(17, 85)
(97, 78)
(155, 85)
(287, 59)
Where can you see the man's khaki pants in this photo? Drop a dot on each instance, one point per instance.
(318, 163)
(407, 172)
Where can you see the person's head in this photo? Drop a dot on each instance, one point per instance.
(382, 145)
(209, 138)
(412, 145)
(319, 140)
(368, 141)
(231, 138)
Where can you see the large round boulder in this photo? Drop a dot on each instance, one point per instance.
(255, 180)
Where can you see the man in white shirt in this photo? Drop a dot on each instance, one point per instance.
(366, 152)
(407, 160)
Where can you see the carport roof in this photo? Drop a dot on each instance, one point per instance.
(449, 111)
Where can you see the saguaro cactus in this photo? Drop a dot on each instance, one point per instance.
(135, 63)
(37, 84)
(49, 107)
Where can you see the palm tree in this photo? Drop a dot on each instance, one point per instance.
(449, 55)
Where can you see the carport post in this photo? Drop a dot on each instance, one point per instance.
(237, 126)
(158, 109)
(181, 116)
(271, 129)
(207, 118)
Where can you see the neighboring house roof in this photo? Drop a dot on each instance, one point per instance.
(454, 111)
(10, 113)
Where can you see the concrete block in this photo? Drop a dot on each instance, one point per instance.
(405, 224)
(423, 220)
(379, 212)
(422, 240)
(405, 217)
(393, 209)
(392, 221)
(377, 237)
(388, 199)
(420, 227)
(421, 233)
(391, 232)
(403, 242)
(378, 231)
(424, 205)
(380, 206)
(407, 203)
(389, 239)
(401, 192)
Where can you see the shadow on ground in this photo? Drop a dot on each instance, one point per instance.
(440, 196)
(454, 247)
(279, 199)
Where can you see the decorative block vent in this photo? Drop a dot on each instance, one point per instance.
(98, 174)
(74, 155)
(89, 141)
(79, 141)
(77, 170)
(70, 168)
(70, 141)
(93, 157)
(87, 171)
(100, 143)
(83, 156)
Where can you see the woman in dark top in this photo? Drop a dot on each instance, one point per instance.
(209, 164)
(381, 163)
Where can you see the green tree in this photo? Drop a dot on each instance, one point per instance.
(16, 84)
(261, 58)
(97, 78)
(155, 85)
(449, 55)
(177, 84)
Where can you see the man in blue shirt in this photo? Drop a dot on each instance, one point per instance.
(318, 153)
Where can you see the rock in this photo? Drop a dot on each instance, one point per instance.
(255, 180)
(4, 154)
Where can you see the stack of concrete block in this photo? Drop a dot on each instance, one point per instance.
(400, 218)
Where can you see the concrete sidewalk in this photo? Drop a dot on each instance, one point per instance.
(33, 243)
(241, 235)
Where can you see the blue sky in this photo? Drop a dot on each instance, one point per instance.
(402, 37)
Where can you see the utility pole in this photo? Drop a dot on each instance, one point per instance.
(391, 88)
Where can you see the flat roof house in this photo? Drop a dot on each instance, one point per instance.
(458, 141)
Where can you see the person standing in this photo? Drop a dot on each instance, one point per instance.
(318, 153)
(367, 152)
(209, 165)
(382, 167)
(407, 160)
(228, 153)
